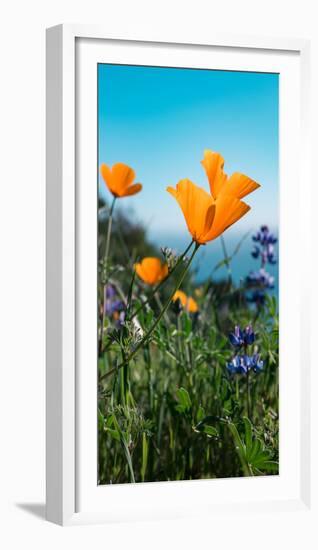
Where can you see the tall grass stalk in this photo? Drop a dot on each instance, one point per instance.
(157, 321)
(161, 284)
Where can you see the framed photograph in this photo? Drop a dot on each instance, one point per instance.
(178, 198)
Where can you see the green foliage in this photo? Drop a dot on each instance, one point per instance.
(255, 458)
(174, 412)
(184, 401)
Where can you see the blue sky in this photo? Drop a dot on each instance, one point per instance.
(160, 120)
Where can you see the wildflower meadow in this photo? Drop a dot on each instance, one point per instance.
(187, 371)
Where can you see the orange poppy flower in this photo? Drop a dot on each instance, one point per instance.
(119, 180)
(236, 185)
(151, 270)
(187, 302)
(209, 215)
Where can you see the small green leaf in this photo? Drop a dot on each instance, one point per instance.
(270, 466)
(210, 431)
(187, 325)
(144, 456)
(255, 450)
(101, 420)
(149, 317)
(184, 400)
(248, 436)
(109, 421)
(113, 433)
(237, 440)
(203, 427)
(200, 414)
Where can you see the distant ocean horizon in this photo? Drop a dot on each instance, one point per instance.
(211, 254)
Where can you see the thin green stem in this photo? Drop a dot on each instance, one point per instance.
(237, 389)
(159, 303)
(248, 400)
(124, 383)
(157, 321)
(153, 294)
(179, 328)
(149, 374)
(248, 397)
(227, 259)
(109, 230)
(159, 285)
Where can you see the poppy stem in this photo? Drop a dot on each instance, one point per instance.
(159, 285)
(248, 396)
(145, 339)
(109, 230)
(248, 399)
(227, 259)
(237, 389)
(159, 302)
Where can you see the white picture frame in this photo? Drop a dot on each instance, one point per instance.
(72, 497)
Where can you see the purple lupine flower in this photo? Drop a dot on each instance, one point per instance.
(256, 297)
(236, 337)
(264, 236)
(242, 364)
(233, 365)
(108, 307)
(240, 338)
(110, 291)
(265, 246)
(256, 252)
(271, 254)
(113, 306)
(267, 279)
(257, 237)
(264, 256)
(249, 335)
(256, 363)
(120, 321)
(261, 278)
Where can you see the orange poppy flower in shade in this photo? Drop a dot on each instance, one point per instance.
(151, 270)
(209, 215)
(119, 180)
(236, 185)
(187, 302)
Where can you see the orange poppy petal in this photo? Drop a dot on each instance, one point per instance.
(213, 164)
(151, 270)
(197, 207)
(187, 302)
(229, 210)
(164, 271)
(180, 295)
(237, 213)
(122, 177)
(209, 218)
(140, 271)
(240, 185)
(132, 190)
(172, 191)
(107, 177)
(202, 213)
(192, 306)
(180, 194)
